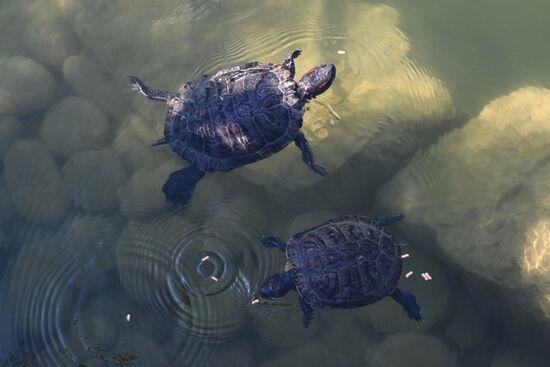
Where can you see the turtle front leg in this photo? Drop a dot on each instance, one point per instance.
(307, 310)
(270, 241)
(154, 94)
(288, 61)
(385, 220)
(307, 155)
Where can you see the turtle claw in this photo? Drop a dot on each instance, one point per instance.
(296, 53)
(136, 83)
(319, 170)
(271, 241)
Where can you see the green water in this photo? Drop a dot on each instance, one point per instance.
(440, 109)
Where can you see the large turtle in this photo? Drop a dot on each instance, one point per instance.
(237, 116)
(343, 263)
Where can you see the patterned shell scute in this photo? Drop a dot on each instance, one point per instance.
(234, 117)
(346, 262)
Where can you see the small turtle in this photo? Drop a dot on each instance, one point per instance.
(343, 263)
(237, 116)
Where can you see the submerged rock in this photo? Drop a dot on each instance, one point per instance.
(411, 349)
(73, 125)
(434, 297)
(26, 87)
(47, 35)
(280, 324)
(35, 183)
(87, 80)
(311, 354)
(468, 328)
(7, 209)
(519, 357)
(142, 195)
(10, 130)
(482, 191)
(133, 144)
(346, 338)
(94, 177)
(89, 233)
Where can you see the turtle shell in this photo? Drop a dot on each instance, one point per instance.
(346, 262)
(236, 116)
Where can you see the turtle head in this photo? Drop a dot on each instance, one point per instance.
(277, 285)
(316, 81)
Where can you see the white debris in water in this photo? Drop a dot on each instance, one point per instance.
(404, 256)
(205, 258)
(408, 274)
(341, 52)
(128, 317)
(426, 276)
(214, 278)
(257, 300)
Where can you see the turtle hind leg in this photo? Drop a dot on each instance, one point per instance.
(385, 220)
(270, 241)
(408, 302)
(288, 61)
(307, 310)
(154, 94)
(179, 186)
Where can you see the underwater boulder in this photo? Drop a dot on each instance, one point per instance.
(88, 80)
(74, 124)
(133, 141)
(519, 356)
(47, 34)
(26, 87)
(35, 183)
(411, 349)
(434, 297)
(311, 354)
(468, 327)
(93, 178)
(481, 191)
(10, 130)
(7, 209)
(142, 195)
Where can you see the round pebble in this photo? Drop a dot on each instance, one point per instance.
(47, 35)
(89, 81)
(90, 232)
(279, 323)
(142, 195)
(133, 144)
(35, 183)
(94, 177)
(74, 124)
(411, 349)
(311, 354)
(346, 337)
(7, 209)
(10, 130)
(26, 87)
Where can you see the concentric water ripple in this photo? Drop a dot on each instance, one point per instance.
(52, 290)
(197, 277)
